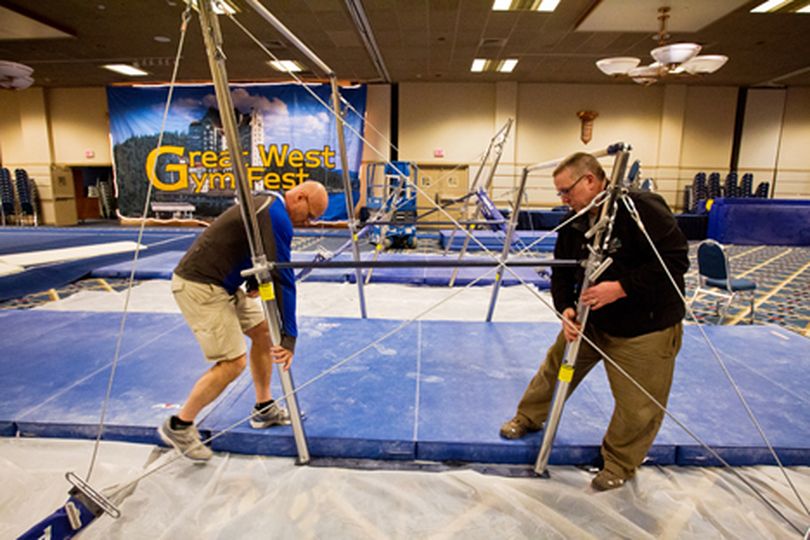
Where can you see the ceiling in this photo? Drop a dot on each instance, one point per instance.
(66, 41)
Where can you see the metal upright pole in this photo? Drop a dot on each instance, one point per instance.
(595, 265)
(507, 243)
(216, 61)
(347, 187)
(339, 122)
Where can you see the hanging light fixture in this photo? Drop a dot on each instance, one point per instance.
(672, 59)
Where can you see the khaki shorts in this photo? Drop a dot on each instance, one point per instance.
(218, 319)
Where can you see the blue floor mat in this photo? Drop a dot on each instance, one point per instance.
(437, 390)
(161, 265)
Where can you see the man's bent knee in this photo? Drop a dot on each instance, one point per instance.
(260, 331)
(232, 368)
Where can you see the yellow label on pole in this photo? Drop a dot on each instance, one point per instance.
(355, 237)
(266, 292)
(566, 373)
(497, 277)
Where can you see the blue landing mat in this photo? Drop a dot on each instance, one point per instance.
(493, 240)
(160, 266)
(436, 390)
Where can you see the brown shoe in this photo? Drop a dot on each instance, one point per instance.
(517, 428)
(606, 480)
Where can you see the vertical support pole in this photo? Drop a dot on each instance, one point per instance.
(595, 260)
(347, 187)
(212, 37)
(507, 243)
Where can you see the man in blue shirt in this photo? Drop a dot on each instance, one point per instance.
(207, 287)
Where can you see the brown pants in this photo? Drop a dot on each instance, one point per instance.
(649, 359)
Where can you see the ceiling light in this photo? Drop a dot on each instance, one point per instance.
(478, 65)
(525, 5)
(287, 66)
(125, 69)
(221, 7)
(162, 39)
(805, 9)
(548, 5)
(508, 65)
(674, 59)
(769, 5)
(15, 76)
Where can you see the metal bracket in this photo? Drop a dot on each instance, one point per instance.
(87, 490)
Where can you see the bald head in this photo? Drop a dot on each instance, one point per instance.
(306, 202)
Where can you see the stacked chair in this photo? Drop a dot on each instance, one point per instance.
(747, 185)
(730, 188)
(8, 209)
(26, 194)
(762, 190)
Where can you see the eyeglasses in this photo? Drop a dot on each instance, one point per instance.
(565, 192)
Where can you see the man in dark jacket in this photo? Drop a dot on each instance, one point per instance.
(207, 287)
(635, 318)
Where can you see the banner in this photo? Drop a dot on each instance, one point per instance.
(287, 136)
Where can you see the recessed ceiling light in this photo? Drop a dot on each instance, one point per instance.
(287, 66)
(162, 39)
(125, 69)
(525, 5)
(506, 66)
(548, 5)
(769, 5)
(478, 65)
(221, 7)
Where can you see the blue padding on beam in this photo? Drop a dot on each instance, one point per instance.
(760, 221)
(42, 278)
(493, 240)
(438, 390)
(158, 266)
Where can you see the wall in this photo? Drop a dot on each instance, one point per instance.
(793, 157)
(79, 123)
(25, 143)
(676, 130)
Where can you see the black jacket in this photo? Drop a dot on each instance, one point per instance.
(651, 303)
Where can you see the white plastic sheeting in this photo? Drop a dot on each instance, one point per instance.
(384, 301)
(236, 496)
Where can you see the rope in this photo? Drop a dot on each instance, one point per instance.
(628, 203)
(186, 16)
(326, 372)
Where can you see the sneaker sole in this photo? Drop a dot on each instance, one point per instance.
(169, 442)
(264, 425)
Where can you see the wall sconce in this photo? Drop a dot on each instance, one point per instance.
(586, 130)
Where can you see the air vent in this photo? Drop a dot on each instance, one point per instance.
(492, 43)
(275, 44)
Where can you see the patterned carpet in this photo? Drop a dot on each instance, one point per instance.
(782, 275)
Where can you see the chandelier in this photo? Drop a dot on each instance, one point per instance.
(674, 59)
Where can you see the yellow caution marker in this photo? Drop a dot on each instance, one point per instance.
(266, 292)
(566, 373)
